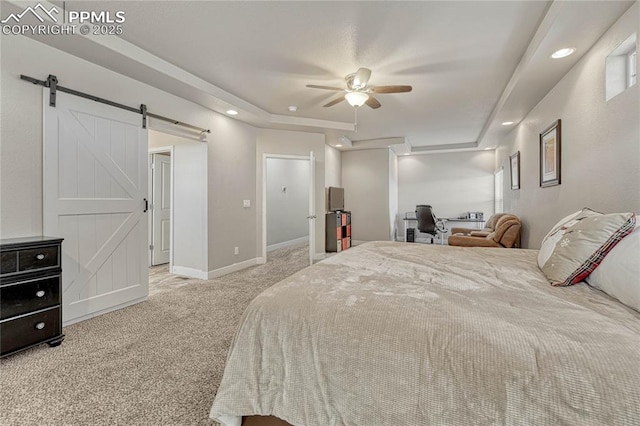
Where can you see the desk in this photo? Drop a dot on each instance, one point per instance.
(448, 222)
(478, 222)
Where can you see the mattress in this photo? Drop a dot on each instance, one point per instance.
(409, 334)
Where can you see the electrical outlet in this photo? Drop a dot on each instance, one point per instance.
(236, 250)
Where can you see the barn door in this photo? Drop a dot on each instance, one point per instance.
(95, 186)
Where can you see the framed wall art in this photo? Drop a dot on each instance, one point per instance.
(550, 140)
(514, 162)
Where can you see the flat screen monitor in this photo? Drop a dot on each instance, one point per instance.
(336, 199)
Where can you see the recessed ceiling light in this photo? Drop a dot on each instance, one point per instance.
(293, 108)
(507, 123)
(406, 154)
(232, 112)
(339, 145)
(563, 52)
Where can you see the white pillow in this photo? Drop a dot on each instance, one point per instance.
(557, 232)
(618, 274)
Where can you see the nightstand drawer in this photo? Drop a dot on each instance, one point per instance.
(28, 330)
(28, 296)
(8, 262)
(38, 258)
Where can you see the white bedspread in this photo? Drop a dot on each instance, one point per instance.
(409, 334)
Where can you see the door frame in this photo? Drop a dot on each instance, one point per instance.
(161, 150)
(312, 182)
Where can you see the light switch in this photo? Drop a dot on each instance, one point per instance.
(246, 203)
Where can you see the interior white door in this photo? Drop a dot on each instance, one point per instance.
(95, 185)
(161, 209)
(312, 206)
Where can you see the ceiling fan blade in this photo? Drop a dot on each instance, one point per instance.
(315, 86)
(335, 101)
(361, 78)
(373, 102)
(391, 89)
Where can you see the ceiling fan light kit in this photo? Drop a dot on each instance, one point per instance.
(356, 99)
(359, 92)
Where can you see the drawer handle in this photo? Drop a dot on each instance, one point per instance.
(40, 293)
(40, 325)
(40, 256)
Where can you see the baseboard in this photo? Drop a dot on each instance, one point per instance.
(288, 243)
(317, 257)
(233, 268)
(189, 272)
(104, 311)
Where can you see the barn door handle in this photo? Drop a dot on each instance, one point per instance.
(146, 205)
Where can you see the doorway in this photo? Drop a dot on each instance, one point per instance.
(288, 215)
(177, 224)
(160, 206)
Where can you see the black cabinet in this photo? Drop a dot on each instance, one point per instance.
(30, 293)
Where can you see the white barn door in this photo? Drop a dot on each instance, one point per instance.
(95, 185)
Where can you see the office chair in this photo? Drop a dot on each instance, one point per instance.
(428, 223)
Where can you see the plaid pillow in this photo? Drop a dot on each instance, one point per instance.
(584, 244)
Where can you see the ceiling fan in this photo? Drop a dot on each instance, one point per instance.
(358, 92)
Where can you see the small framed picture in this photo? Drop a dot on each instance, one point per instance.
(515, 170)
(550, 140)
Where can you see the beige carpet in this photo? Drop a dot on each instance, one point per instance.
(155, 363)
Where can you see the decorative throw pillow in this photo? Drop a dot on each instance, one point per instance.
(583, 244)
(618, 273)
(555, 234)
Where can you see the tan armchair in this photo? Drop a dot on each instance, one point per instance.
(506, 233)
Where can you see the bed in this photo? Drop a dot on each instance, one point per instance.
(408, 334)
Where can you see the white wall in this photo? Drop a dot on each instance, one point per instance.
(366, 182)
(393, 194)
(231, 146)
(452, 183)
(190, 207)
(287, 210)
(292, 143)
(232, 179)
(333, 167)
(600, 144)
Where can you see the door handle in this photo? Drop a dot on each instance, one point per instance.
(146, 205)
(312, 217)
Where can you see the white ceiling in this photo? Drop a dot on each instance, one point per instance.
(472, 64)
